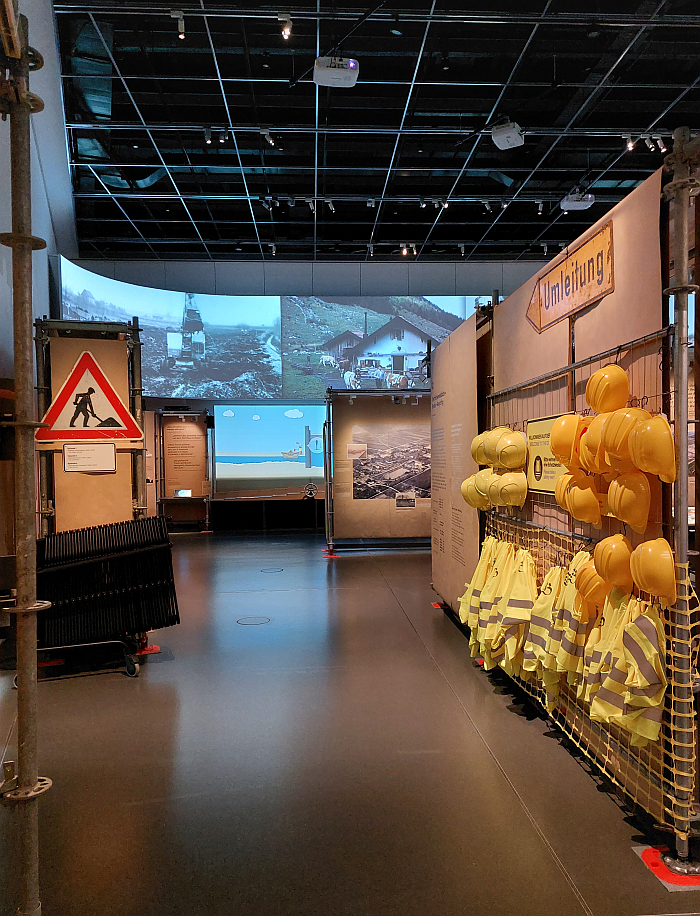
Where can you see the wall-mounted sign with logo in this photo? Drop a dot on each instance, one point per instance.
(585, 276)
(543, 469)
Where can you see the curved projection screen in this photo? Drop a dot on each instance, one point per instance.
(260, 347)
(258, 446)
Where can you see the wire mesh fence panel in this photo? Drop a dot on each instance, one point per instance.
(654, 776)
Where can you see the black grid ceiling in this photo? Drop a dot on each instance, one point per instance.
(415, 128)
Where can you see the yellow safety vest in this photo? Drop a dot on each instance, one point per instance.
(535, 648)
(491, 594)
(474, 588)
(514, 612)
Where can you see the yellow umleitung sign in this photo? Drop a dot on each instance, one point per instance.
(582, 278)
(543, 469)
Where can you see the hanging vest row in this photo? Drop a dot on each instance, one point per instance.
(614, 659)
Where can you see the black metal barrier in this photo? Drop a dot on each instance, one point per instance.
(105, 583)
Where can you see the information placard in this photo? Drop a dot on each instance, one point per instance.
(543, 469)
(90, 457)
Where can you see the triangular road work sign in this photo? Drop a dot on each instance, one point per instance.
(87, 408)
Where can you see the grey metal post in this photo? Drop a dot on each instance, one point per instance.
(137, 397)
(26, 786)
(682, 713)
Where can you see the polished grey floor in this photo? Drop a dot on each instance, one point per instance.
(344, 758)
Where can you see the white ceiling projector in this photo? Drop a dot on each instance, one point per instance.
(508, 135)
(336, 71)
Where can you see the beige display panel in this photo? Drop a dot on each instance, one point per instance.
(185, 456)
(454, 524)
(630, 311)
(86, 499)
(365, 490)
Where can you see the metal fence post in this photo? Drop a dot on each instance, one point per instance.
(684, 154)
(22, 791)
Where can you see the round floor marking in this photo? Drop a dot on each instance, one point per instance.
(252, 621)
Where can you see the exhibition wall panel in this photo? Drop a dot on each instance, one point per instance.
(381, 465)
(455, 527)
(630, 311)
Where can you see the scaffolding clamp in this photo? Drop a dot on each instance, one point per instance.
(11, 793)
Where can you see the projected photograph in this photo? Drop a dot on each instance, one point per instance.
(397, 461)
(194, 346)
(268, 446)
(363, 342)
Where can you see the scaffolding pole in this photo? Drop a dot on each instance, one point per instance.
(682, 160)
(23, 788)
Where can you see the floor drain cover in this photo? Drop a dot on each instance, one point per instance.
(253, 621)
(271, 569)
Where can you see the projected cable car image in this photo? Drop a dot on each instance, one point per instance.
(187, 347)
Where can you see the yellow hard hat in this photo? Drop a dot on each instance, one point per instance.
(629, 499)
(590, 585)
(653, 569)
(512, 489)
(608, 389)
(481, 482)
(593, 455)
(560, 488)
(494, 489)
(583, 501)
(652, 449)
(616, 430)
(511, 450)
(471, 495)
(491, 441)
(478, 449)
(564, 437)
(612, 561)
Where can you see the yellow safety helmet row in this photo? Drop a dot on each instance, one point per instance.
(490, 488)
(577, 494)
(501, 447)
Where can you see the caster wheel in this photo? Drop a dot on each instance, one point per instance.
(132, 667)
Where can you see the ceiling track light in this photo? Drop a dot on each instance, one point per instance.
(504, 204)
(540, 207)
(330, 206)
(461, 250)
(265, 132)
(286, 21)
(544, 248)
(180, 16)
(421, 203)
(629, 142)
(371, 202)
(404, 250)
(487, 206)
(660, 142)
(444, 204)
(266, 204)
(310, 202)
(222, 136)
(370, 249)
(413, 250)
(207, 135)
(650, 144)
(273, 250)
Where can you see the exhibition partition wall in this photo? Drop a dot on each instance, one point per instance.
(599, 302)
(378, 477)
(455, 527)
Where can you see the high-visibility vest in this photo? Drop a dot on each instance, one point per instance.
(535, 648)
(610, 670)
(564, 623)
(597, 654)
(577, 628)
(481, 572)
(491, 594)
(644, 644)
(514, 612)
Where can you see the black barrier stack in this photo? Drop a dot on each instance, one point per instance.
(104, 583)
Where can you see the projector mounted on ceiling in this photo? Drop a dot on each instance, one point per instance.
(336, 71)
(577, 200)
(507, 135)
